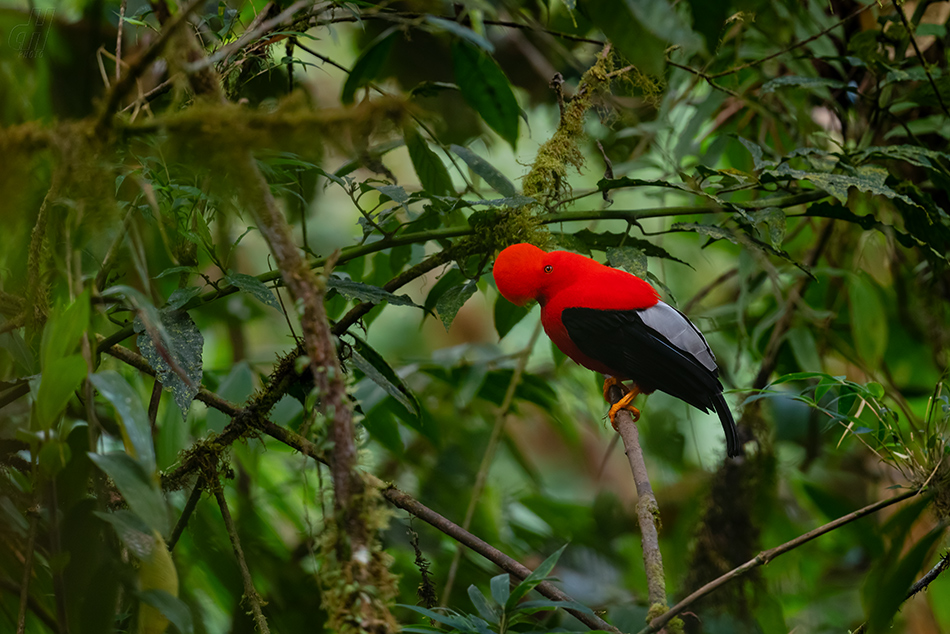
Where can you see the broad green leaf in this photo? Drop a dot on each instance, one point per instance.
(632, 38)
(451, 278)
(602, 241)
(175, 270)
(136, 486)
(133, 531)
(393, 192)
(186, 350)
(53, 457)
(774, 220)
(429, 168)
(495, 179)
(512, 201)
(462, 31)
(63, 331)
(501, 588)
(133, 420)
(486, 89)
(487, 611)
(528, 584)
(171, 607)
(886, 590)
(254, 287)
(507, 316)
(804, 348)
(869, 178)
(61, 377)
(631, 259)
(530, 607)
(181, 296)
(868, 320)
(449, 304)
(367, 293)
(369, 64)
(796, 81)
(375, 367)
(713, 232)
(756, 151)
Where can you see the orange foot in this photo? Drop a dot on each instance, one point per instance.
(623, 403)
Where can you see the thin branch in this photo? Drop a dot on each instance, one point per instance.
(766, 556)
(920, 56)
(186, 512)
(256, 29)
(791, 48)
(250, 592)
(140, 64)
(497, 429)
(118, 40)
(48, 620)
(648, 512)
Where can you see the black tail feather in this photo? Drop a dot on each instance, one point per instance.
(728, 425)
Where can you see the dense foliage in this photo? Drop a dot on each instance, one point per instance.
(255, 375)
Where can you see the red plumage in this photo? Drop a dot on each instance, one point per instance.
(613, 322)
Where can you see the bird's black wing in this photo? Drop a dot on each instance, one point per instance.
(659, 349)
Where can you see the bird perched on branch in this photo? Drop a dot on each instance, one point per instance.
(613, 322)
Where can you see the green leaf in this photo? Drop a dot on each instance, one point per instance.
(462, 31)
(375, 367)
(173, 608)
(530, 607)
(61, 377)
(487, 611)
(181, 296)
(869, 178)
(507, 316)
(53, 457)
(185, 351)
(449, 279)
(132, 530)
(137, 488)
(449, 304)
(429, 168)
(254, 287)
(868, 320)
(369, 64)
(804, 348)
(796, 81)
(64, 330)
(774, 220)
(540, 574)
(495, 179)
(630, 259)
(501, 588)
(605, 240)
(175, 270)
(627, 33)
(486, 89)
(887, 589)
(367, 293)
(133, 420)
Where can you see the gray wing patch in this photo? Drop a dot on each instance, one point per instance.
(680, 331)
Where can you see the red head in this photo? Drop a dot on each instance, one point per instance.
(524, 272)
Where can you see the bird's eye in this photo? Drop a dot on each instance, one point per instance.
(548, 268)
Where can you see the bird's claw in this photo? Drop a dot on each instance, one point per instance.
(611, 381)
(624, 403)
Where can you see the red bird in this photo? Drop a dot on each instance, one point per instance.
(613, 322)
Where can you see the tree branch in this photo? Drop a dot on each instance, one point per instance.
(766, 556)
(250, 592)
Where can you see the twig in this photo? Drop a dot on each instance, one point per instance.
(648, 512)
(35, 606)
(249, 591)
(500, 417)
(254, 31)
(186, 512)
(919, 586)
(766, 556)
(138, 66)
(118, 40)
(920, 56)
